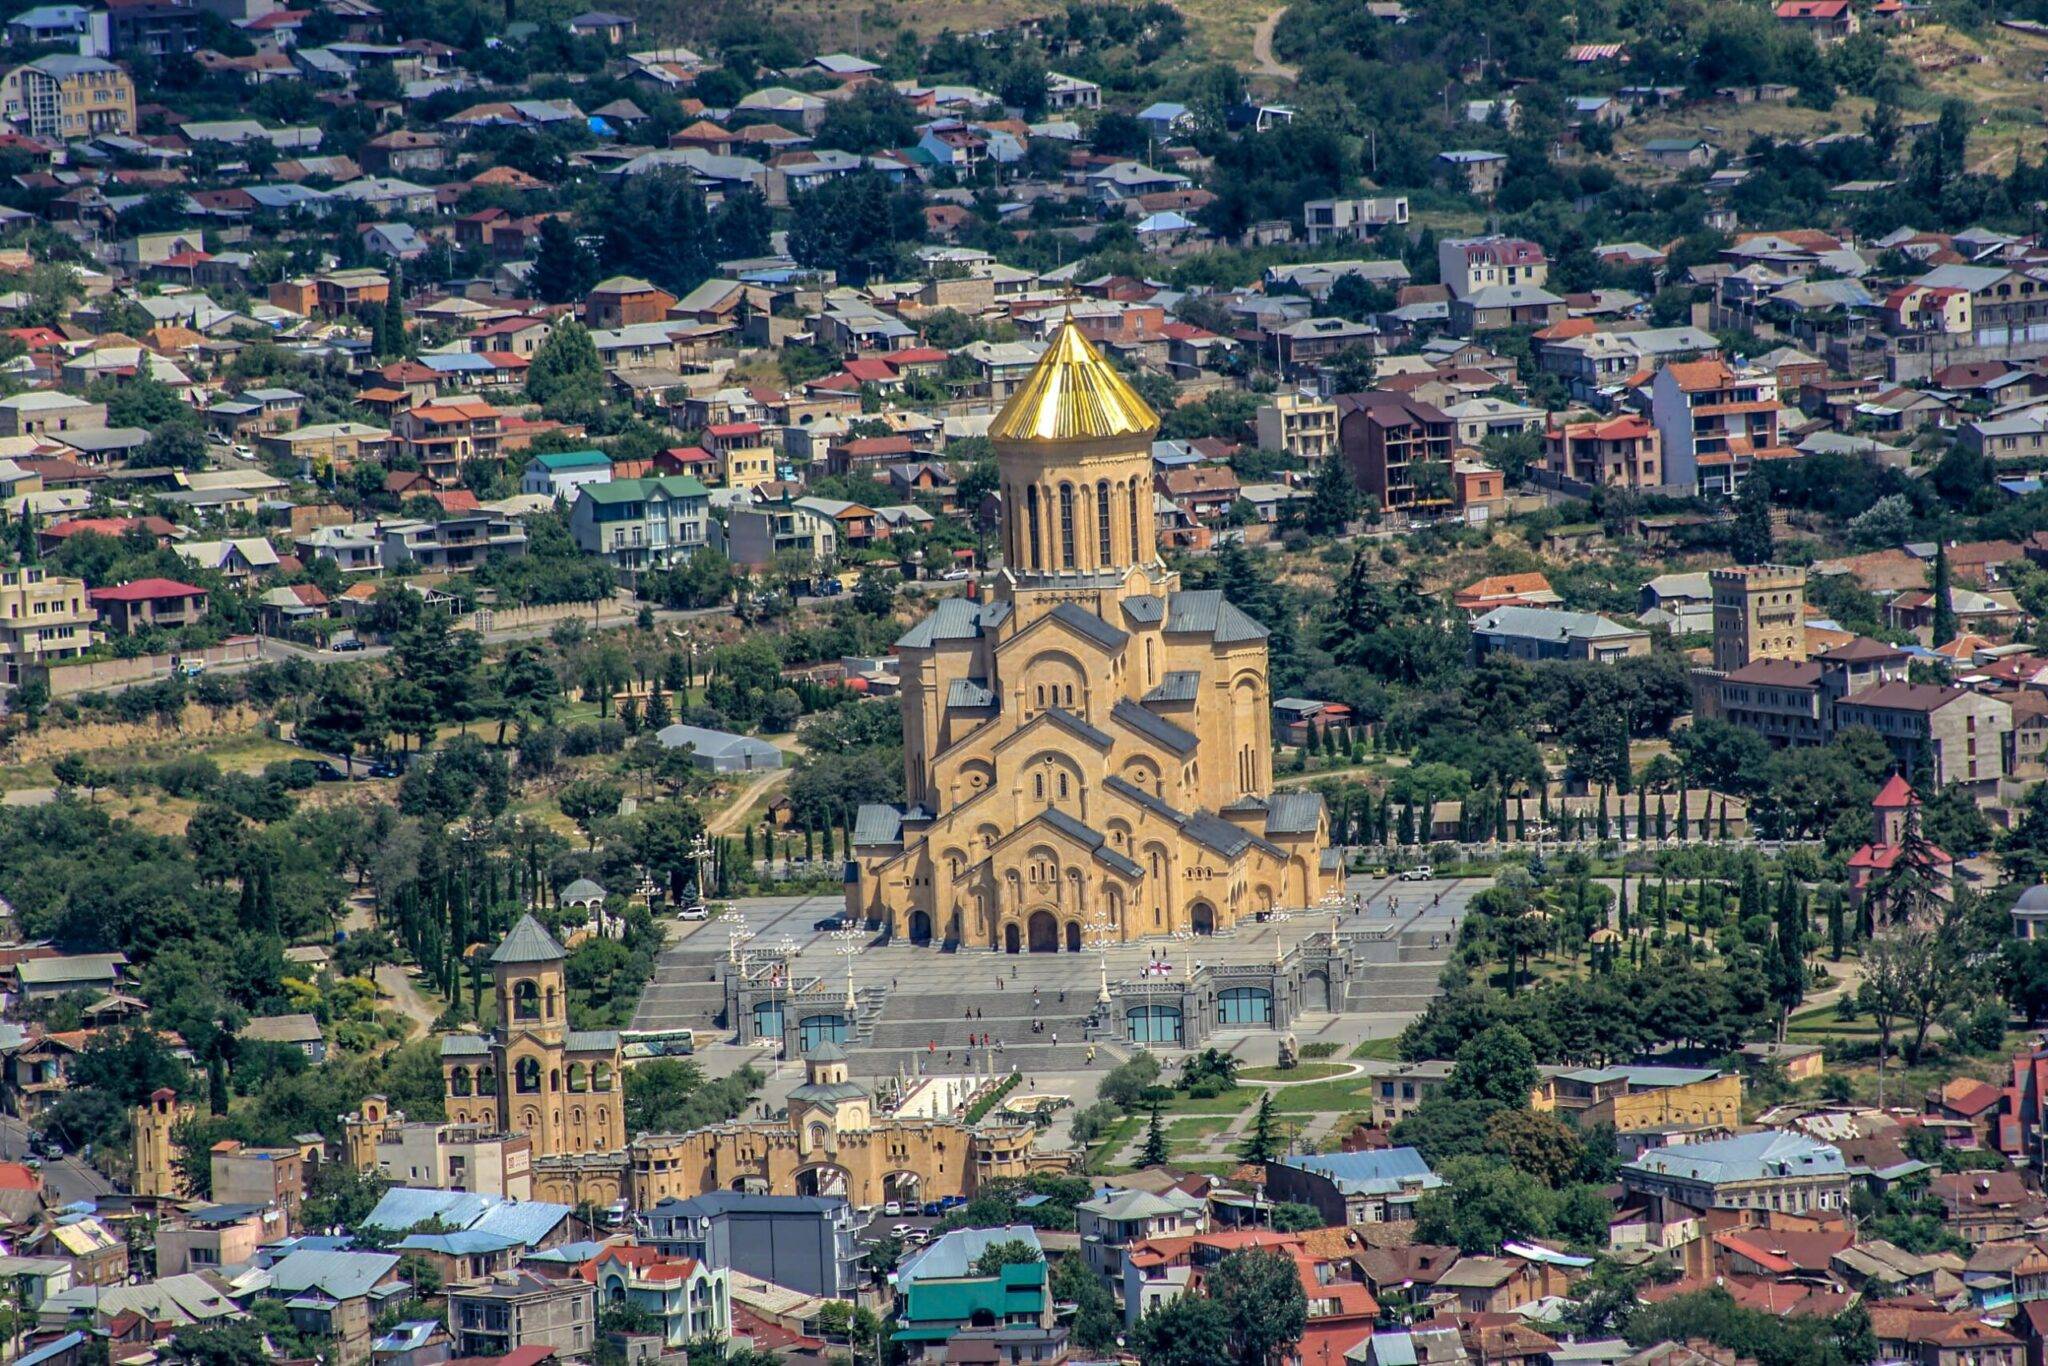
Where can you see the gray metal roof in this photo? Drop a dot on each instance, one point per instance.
(1156, 728)
(1062, 717)
(1747, 1157)
(1547, 623)
(1089, 625)
(465, 1046)
(1146, 608)
(953, 619)
(592, 1040)
(878, 823)
(529, 942)
(715, 743)
(1383, 1172)
(1294, 813)
(1156, 805)
(1094, 839)
(969, 692)
(1207, 612)
(341, 1275)
(1181, 685)
(1212, 830)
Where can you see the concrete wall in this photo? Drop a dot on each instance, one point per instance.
(68, 680)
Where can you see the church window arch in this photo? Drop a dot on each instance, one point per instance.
(579, 1078)
(1136, 542)
(1038, 786)
(1066, 526)
(554, 1079)
(525, 1000)
(526, 1076)
(1031, 505)
(601, 1077)
(1102, 533)
(458, 1082)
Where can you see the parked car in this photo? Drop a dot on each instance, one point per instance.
(830, 923)
(892, 1208)
(1419, 873)
(328, 773)
(346, 645)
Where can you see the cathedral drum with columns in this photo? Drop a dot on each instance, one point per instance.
(1087, 747)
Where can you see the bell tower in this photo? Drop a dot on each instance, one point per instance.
(1074, 448)
(533, 998)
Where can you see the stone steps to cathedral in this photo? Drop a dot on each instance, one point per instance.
(1030, 1059)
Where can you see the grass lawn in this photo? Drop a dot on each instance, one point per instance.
(1325, 1097)
(1380, 1050)
(1196, 1129)
(1303, 1072)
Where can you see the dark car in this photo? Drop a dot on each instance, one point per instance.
(830, 923)
(328, 773)
(345, 645)
(383, 768)
(932, 1209)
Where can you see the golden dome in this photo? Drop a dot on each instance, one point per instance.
(1073, 394)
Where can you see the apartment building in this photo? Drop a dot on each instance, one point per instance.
(1350, 220)
(68, 99)
(458, 544)
(45, 412)
(1959, 735)
(1467, 265)
(460, 1157)
(1622, 452)
(1759, 613)
(1781, 700)
(148, 605)
(745, 457)
(1715, 422)
(326, 447)
(1386, 436)
(638, 524)
(517, 1309)
(753, 537)
(1770, 1170)
(259, 1176)
(444, 435)
(41, 619)
(1304, 343)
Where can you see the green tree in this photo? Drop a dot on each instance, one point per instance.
(1261, 1292)
(1193, 1330)
(1333, 499)
(1096, 1323)
(588, 801)
(1944, 628)
(1154, 1152)
(1008, 1252)
(1750, 541)
(566, 377)
(1262, 1140)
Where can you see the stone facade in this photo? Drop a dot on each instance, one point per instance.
(563, 1088)
(831, 1144)
(1087, 747)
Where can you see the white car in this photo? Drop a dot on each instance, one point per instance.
(1419, 873)
(901, 1231)
(955, 575)
(893, 1209)
(699, 912)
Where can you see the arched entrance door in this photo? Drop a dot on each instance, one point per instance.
(920, 928)
(1073, 936)
(1202, 918)
(1010, 944)
(822, 1180)
(1044, 932)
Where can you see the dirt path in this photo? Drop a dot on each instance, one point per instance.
(1263, 61)
(728, 820)
(395, 983)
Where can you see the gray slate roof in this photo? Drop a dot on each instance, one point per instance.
(1156, 728)
(1294, 813)
(969, 692)
(1094, 839)
(1089, 625)
(529, 943)
(1181, 685)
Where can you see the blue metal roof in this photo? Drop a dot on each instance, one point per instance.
(1372, 1173)
(404, 1207)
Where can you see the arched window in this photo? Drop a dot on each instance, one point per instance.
(1136, 543)
(1038, 786)
(555, 1079)
(1102, 547)
(487, 1081)
(579, 1077)
(526, 1076)
(551, 1005)
(458, 1082)
(1066, 526)
(1031, 504)
(601, 1077)
(1063, 785)
(525, 1001)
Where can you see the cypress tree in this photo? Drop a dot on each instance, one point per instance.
(1154, 1153)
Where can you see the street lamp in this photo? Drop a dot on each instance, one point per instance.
(1333, 902)
(849, 938)
(1099, 925)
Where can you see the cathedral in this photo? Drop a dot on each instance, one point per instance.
(1087, 746)
(563, 1088)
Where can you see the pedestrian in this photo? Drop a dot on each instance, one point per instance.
(931, 1046)
(1063, 998)
(1055, 1038)
(1013, 971)
(1091, 1054)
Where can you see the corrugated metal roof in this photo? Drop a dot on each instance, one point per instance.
(526, 1221)
(529, 942)
(404, 1207)
(1294, 813)
(1181, 685)
(878, 823)
(342, 1275)
(1156, 728)
(1090, 625)
(969, 692)
(465, 1046)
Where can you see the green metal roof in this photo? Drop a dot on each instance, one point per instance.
(529, 943)
(637, 490)
(1017, 1291)
(557, 461)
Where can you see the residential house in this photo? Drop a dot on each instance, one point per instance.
(1624, 452)
(1298, 425)
(804, 1242)
(1466, 265)
(1540, 634)
(1354, 1188)
(623, 300)
(1342, 220)
(444, 435)
(1827, 21)
(691, 1301)
(41, 619)
(1714, 423)
(148, 605)
(1765, 1171)
(68, 98)
(518, 1310)
(337, 1295)
(752, 537)
(639, 524)
(459, 543)
(559, 474)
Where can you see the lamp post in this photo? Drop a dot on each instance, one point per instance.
(849, 946)
(1098, 926)
(1334, 904)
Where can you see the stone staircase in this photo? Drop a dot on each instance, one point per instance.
(687, 991)
(1397, 975)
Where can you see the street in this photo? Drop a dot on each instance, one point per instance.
(66, 1178)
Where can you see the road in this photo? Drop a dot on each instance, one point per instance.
(728, 820)
(67, 1178)
(1263, 61)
